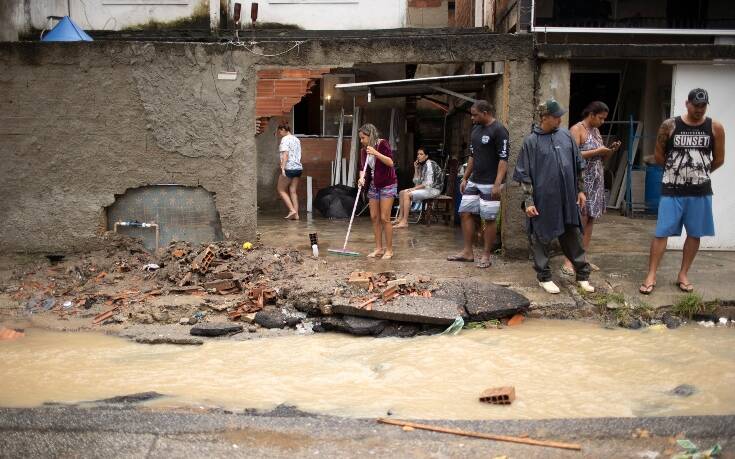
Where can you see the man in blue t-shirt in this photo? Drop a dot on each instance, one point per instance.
(482, 181)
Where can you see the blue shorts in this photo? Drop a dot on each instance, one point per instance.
(692, 212)
(476, 200)
(386, 192)
(293, 173)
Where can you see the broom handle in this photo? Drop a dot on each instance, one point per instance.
(354, 207)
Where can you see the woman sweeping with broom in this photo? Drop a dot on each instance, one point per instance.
(382, 189)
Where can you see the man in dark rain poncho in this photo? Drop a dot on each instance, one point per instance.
(549, 169)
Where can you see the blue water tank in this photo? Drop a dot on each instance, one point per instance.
(654, 176)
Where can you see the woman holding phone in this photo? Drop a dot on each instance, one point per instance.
(587, 135)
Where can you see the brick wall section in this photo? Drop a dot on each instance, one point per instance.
(317, 155)
(278, 90)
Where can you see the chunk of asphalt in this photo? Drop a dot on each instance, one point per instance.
(487, 301)
(415, 309)
(215, 329)
(358, 326)
(132, 398)
(683, 390)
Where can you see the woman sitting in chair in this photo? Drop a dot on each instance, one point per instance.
(427, 179)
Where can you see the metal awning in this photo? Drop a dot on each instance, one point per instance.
(453, 85)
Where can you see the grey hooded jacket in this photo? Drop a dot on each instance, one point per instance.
(551, 163)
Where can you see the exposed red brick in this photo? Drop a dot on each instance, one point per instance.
(265, 88)
(295, 73)
(270, 73)
(289, 87)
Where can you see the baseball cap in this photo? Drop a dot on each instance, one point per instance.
(551, 107)
(698, 96)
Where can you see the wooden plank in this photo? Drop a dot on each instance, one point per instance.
(465, 433)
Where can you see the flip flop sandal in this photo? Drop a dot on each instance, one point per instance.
(646, 289)
(460, 258)
(684, 287)
(484, 264)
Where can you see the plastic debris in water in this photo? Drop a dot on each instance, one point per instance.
(67, 304)
(706, 323)
(455, 328)
(723, 320)
(247, 245)
(151, 267)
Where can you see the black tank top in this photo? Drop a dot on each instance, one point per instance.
(688, 160)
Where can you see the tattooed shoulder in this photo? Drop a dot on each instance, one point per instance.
(664, 132)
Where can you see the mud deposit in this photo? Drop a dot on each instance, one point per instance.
(559, 369)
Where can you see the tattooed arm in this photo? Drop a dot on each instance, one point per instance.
(662, 138)
(719, 147)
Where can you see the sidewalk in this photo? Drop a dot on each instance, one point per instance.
(619, 247)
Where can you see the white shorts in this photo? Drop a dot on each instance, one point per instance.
(424, 193)
(476, 200)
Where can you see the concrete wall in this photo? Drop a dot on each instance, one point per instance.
(82, 122)
(553, 81)
(517, 76)
(11, 19)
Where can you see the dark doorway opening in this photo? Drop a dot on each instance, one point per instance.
(588, 87)
(307, 114)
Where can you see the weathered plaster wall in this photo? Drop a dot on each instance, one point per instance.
(519, 74)
(81, 122)
(553, 81)
(11, 19)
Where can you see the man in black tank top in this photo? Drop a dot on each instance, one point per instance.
(690, 147)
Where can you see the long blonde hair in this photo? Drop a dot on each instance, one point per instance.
(372, 132)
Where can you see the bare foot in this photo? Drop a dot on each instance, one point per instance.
(290, 214)
(387, 255)
(400, 225)
(294, 217)
(375, 253)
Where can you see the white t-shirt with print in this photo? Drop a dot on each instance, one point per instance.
(291, 144)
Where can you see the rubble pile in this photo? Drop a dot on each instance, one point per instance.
(125, 282)
(214, 285)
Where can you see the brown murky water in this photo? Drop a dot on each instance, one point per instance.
(559, 369)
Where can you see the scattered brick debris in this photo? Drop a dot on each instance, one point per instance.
(203, 260)
(360, 279)
(516, 320)
(389, 293)
(499, 395)
(223, 285)
(105, 315)
(8, 334)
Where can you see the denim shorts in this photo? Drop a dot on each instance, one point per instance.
(694, 213)
(390, 191)
(293, 173)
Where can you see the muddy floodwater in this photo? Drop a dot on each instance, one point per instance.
(559, 369)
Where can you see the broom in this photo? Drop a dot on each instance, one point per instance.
(343, 250)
